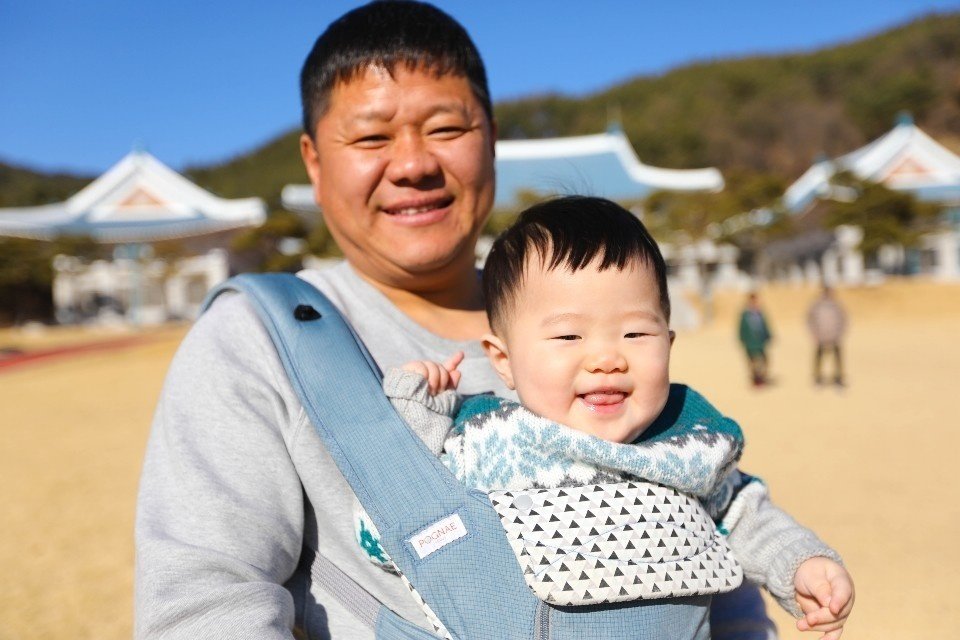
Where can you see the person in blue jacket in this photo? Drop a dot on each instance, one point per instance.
(754, 336)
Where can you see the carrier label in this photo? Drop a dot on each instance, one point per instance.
(438, 535)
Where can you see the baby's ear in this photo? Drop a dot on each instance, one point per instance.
(496, 351)
(673, 336)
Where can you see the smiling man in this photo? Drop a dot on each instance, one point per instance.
(240, 506)
(402, 163)
(240, 503)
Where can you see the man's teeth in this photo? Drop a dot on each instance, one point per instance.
(412, 211)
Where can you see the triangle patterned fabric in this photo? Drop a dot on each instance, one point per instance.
(615, 542)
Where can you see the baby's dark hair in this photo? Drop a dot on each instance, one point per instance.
(569, 232)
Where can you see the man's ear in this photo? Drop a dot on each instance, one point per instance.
(499, 357)
(311, 162)
(494, 132)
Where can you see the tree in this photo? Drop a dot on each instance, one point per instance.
(502, 218)
(701, 214)
(759, 218)
(263, 248)
(885, 216)
(683, 215)
(26, 275)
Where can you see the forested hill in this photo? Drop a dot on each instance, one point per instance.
(770, 114)
(773, 113)
(22, 187)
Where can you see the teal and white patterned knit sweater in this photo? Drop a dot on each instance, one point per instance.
(496, 444)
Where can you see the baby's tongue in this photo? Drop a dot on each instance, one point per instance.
(603, 397)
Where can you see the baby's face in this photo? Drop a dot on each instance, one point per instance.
(589, 349)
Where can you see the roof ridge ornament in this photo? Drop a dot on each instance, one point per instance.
(904, 118)
(614, 118)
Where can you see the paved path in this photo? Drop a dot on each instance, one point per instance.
(13, 359)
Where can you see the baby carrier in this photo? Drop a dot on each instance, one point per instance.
(557, 564)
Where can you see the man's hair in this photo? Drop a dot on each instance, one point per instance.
(385, 34)
(569, 232)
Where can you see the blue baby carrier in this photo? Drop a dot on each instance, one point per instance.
(446, 539)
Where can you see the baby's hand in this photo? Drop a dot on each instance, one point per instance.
(440, 377)
(825, 595)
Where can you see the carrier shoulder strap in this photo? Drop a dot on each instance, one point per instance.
(339, 385)
(410, 496)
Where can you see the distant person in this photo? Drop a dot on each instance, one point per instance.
(754, 336)
(827, 322)
(576, 297)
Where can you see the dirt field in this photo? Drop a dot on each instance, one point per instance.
(869, 467)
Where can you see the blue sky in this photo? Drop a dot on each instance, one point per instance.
(200, 82)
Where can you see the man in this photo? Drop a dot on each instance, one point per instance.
(240, 503)
(827, 322)
(238, 497)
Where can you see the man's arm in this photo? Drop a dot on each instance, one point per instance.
(220, 512)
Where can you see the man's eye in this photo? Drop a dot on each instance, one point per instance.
(371, 141)
(447, 133)
(567, 337)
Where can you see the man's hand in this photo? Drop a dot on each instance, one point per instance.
(825, 595)
(440, 376)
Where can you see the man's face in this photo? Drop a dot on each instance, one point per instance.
(402, 167)
(589, 349)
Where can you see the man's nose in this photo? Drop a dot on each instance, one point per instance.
(411, 160)
(606, 359)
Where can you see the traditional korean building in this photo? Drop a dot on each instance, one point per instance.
(137, 202)
(904, 159)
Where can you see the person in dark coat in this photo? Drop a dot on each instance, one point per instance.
(754, 336)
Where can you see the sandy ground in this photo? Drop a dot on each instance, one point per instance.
(868, 467)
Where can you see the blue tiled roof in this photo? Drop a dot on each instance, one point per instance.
(601, 174)
(139, 230)
(945, 194)
(602, 165)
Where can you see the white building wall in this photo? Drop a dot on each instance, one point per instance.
(946, 247)
(850, 265)
(150, 292)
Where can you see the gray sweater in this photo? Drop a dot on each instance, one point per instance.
(236, 482)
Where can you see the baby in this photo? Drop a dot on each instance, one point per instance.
(577, 302)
